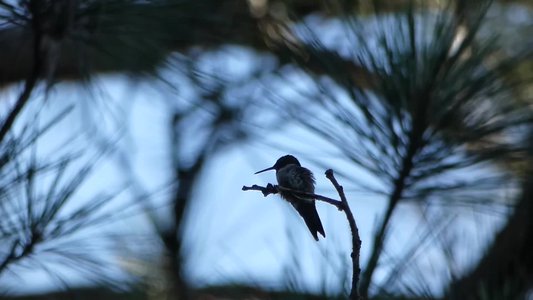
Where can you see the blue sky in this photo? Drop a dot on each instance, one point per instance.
(234, 236)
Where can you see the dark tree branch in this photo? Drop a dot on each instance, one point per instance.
(274, 189)
(341, 205)
(159, 28)
(416, 143)
(11, 257)
(7, 123)
(356, 240)
(31, 79)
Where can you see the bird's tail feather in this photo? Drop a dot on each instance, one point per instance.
(307, 211)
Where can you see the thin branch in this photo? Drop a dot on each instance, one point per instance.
(275, 189)
(356, 241)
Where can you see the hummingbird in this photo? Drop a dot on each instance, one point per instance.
(290, 174)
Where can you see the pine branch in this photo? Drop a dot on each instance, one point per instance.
(31, 79)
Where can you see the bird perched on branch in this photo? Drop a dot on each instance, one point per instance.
(290, 174)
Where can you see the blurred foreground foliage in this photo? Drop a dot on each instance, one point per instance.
(423, 96)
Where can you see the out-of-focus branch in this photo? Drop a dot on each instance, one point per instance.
(11, 257)
(32, 77)
(20, 250)
(506, 268)
(341, 205)
(178, 27)
(24, 96)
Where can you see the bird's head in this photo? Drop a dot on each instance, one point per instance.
(282, 162)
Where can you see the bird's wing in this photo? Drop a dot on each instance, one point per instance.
(297, 178)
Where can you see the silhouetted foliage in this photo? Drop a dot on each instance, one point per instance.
(438, 110)
(424, 97)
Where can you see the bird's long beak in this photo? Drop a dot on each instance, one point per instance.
(267, 169)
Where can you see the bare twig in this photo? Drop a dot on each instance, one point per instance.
(356, 241)
(274, 189)
(341, 205)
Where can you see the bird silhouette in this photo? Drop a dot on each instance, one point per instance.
(290, 174)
